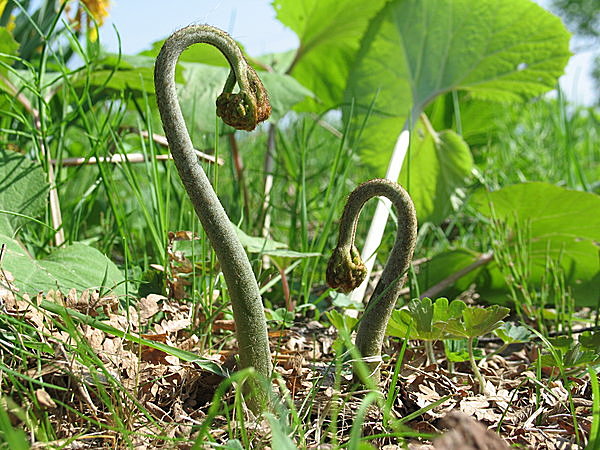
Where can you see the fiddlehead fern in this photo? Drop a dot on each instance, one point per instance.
(345, 270)
(243, 110)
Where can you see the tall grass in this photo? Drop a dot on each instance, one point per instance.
(543, 140)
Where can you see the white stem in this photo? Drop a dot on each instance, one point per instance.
(382, 212)
(127, 157)
(269, 179)
(59, 237)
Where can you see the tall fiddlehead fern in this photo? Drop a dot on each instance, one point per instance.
(242, 110)
(346, 271)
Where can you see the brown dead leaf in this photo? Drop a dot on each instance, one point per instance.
(156, 337)
(148, 306)
(94, 337)
(44, 399)
(467, 434)
(173, 326)
(220, 325)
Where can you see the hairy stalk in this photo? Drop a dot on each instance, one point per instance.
(346, 271)
(242, 110)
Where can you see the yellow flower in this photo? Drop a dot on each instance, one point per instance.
(95, 10)
(10, 26)
(12, 23)
(98, 9)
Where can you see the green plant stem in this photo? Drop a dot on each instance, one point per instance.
(431, 359)
(247, 108)
(346, 271)
(474, 367)
(594, 436)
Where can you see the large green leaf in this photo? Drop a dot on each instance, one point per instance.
(445, 264)
(23, 197)
(270, 247)
(512, 334)
(558, 223)
(329, 33)
(117, 73)
(138, 80)
(76, 266)
(415, 50)
(23, 191)
(436, 170)
(476, 119)
(205, 70)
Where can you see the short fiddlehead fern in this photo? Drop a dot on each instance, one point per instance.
(346, 270)
(242, 110)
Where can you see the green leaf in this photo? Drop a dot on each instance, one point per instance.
(557, 222)
(329, 33)
(444, 264)
(24, 191)
(341, 321)
(269, 247)
(480, 321)
(233, 444)
(575, 356)
(421, 317)
(421, 312)
(562, 343)
(13, 437)
(456, 350)
(281, 316)
(277, 62)
(280, 433)
(478, 118)
(205, 54)
(476, 321)
(8, 46)
(512, 334)
(139, 80)
(76, 266)
(400, 325)
(435, 172)
(442, 311)
(590, 340)
(284, 92)
(415, 50)
(114, 73)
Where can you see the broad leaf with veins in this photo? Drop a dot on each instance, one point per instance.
(415, 50)
(329, 33)
(436, 169)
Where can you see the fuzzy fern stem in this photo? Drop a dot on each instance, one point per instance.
(243, 110)
(346, 271)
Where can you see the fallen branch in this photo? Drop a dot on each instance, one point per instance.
(450, 280)
(127, 157)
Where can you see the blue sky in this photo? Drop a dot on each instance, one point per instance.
(253, 23)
